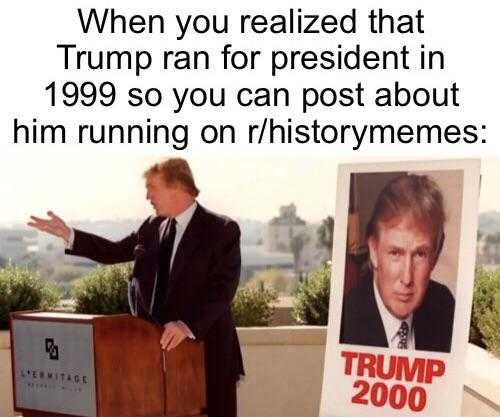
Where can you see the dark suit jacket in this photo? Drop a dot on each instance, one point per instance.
(432, 322)
(203, 280)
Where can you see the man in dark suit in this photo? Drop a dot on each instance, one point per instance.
(186, 272)
(398, 305)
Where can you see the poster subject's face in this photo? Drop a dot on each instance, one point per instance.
(402, 257)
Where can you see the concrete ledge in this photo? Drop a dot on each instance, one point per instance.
(284, 371)
(483, 374)
(285, 368)
(285, 335)
(4, 339)
(6, 406)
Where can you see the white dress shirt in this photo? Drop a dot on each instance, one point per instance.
(182, 220)
(392, 324)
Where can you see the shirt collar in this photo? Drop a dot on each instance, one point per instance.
(184, 218)
(391, 323)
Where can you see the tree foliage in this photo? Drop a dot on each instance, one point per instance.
(485, 319)
(313, 297)
(297, 243)
(103, 291)
(325, 234)
(253, 306)
(23, 289)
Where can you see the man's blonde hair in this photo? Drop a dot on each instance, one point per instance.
(174, 171)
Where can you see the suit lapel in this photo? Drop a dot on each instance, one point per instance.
(374, 325)
(188, 244)
(423, 327)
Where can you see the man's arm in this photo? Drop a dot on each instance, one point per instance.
(86, 244)
(223, 282)
(102, 250)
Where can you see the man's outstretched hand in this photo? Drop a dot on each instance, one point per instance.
(54, 225)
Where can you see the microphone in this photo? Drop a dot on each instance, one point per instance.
(139, 251)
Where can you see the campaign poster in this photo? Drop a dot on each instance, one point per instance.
(402, 279)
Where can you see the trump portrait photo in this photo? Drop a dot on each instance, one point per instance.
(401, 260)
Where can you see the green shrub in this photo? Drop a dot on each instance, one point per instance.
(253, 306)
(485, 319)
(103, 291)
(490, 326)
(22, 289)
(484, 289)
(312, 298)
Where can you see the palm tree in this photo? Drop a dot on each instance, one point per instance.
(297, 243)
(325, 234)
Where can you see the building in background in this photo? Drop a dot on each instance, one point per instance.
(256, 258)
(282, 229)
(288, 233)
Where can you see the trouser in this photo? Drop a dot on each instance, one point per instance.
(222, 400)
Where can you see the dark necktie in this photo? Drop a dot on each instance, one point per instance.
(165, 256)
(403, 335)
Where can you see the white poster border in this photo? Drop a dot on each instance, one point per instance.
(446, 395)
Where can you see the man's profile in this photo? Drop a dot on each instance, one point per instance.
(397, 304)
(186, 271)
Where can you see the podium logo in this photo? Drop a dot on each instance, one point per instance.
(52, 349)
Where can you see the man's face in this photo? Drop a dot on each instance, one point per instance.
(402, 256)
(162, 197)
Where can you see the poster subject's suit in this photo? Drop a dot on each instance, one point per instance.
(432, 321)
(203, 279)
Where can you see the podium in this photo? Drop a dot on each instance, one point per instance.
(102, 366)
